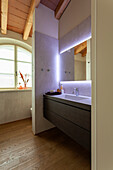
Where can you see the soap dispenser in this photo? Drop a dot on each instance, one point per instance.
(62, 90)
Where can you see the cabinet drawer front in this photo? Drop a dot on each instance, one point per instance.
(78, 116)
(78, 134)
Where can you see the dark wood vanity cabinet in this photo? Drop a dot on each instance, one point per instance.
(73, 120)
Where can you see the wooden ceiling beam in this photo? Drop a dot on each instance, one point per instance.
(29, 21)
(60, 8)
(4, 15)
(84, 52)
(80, 47)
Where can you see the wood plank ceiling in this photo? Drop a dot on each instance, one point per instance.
(81, 48)
(20, 13)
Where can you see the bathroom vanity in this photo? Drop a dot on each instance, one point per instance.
(72, 115)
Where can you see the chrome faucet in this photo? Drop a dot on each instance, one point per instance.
(76, 91)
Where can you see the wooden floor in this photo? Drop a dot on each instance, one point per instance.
(51, 150)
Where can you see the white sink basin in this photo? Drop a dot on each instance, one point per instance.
(73, 97)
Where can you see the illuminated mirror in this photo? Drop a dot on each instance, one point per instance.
(75, 63)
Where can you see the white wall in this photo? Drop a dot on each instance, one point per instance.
(75, 13)
(45, 21)
(79, 57)
(102, 80)
(79, 67)
(16, 36)
(45, 52)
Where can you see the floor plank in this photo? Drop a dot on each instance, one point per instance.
(50, 150)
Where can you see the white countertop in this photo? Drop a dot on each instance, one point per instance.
(79, 99)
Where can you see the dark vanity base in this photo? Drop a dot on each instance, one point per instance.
(73, 121)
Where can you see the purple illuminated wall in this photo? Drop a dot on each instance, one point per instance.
(78, 35)
(67, 65)
(84, 87)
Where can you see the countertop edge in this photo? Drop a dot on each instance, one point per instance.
(69, 102)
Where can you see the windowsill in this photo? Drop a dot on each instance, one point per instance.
(15, 90)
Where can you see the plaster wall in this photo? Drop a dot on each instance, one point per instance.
(76, 12)
(45, 52)
(15, 105)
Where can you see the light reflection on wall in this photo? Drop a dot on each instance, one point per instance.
(58, 68)
(58, 60)
(72, 82)
(75, 44)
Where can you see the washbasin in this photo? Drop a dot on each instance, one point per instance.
(73, 97)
